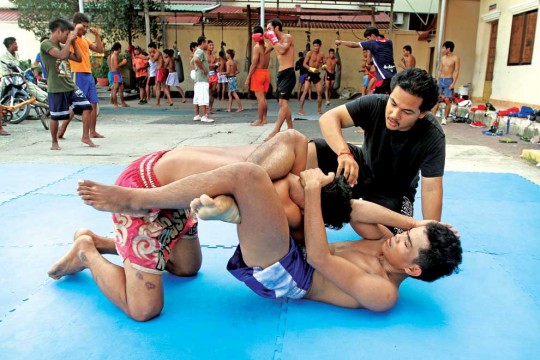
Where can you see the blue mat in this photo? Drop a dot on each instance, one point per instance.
(488, 311)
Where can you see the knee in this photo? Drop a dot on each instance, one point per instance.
(293, 136)
(82, 231)
(145, 314)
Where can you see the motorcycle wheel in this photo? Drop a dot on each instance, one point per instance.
(19, 114)
(42, 114)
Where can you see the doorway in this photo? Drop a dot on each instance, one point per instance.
(490, 62)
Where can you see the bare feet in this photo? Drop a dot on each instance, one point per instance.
(109, 198)
(96, 136)
(301, 112)
(55, 146)
(222, 208)
(320, 112)
(71, 262)
(258, 123)
(88, 142)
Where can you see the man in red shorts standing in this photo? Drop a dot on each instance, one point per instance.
(259, 75)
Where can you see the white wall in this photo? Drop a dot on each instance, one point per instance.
(28, 44)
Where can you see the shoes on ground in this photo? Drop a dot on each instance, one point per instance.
(477, 124)
(443, 121)
(206, 119)
(197, 118)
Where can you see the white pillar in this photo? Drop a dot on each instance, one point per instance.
(81, 6)
(262, 15)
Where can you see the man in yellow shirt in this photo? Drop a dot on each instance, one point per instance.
(82, 71)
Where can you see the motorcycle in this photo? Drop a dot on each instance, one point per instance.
(15, 93)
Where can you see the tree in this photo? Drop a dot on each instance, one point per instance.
(35, 15)
(119, 20)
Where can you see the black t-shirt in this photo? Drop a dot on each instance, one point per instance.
(300, 66)
(390, 160)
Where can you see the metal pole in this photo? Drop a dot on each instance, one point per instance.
(147, 23)
(440, 30)
(262, 14)
(81, 6)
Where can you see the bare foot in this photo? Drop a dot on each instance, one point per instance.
(61, 138)
(55, 146)
(96, 136)
(116, 105)
(125, 105)
(109, 198)
(228, 110)
(156, 104)
(183, 101)
(301, 112)
(4, 133)
(88, 142)
(320, 112)
(258, 123)
(222, 208)
(71, 262)
(240, 110)
(171, 104)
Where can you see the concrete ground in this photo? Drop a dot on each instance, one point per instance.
(139, 129)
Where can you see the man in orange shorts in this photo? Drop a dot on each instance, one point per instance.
(259, 75)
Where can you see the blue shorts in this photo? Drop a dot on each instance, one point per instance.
(302, 79)
(233, 86)
(87, 84)
(290, 277)
(444, 87)
(365, 81)
(59, 104)
(115, 77)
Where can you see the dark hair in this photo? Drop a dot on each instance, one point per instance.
(449, 45)
(231, 53)
(43, 38)
(277, 23)
(222, 54)
(116, 46)
(258, 29)
(317, 41)
(61, 24)
(419, 83)
(443, 256)
(408, 48)
(201, 39)
(169, 52)
(79, 18)
(336, 203)
(209, 41)
(8, 41)
(152, 45)
(331, 50)
(372, 30)
(300, 54)
(192, 45)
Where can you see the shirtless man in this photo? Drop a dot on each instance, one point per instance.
(408, 60)
(232, 71)
(172, 77)
(447, 77)
(352, 274)
(312, 62)
(114, 71)
(259, 75)
(222, 75)
(286, 78)
(213, 78)
(169, 237)
(161, 74)
(330, 77)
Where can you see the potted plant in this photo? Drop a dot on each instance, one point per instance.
(100, 70)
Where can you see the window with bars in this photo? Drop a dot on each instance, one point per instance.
(522, 38)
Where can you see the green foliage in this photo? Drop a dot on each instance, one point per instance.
(118, 20)
(35, 15)
(100, 69)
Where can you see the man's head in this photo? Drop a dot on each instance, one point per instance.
(258, 29)
(11, 44)
(317, 45)
(60, 29)
(202, 43)
(230, 53)
(275, 25)
(192, 46)
(447, 47)
(210, 46)
(83, 20)
(152, 45)
(169, 53)
(300, 54)
(371, 33)
(116, 47)
(414, 93)
(407, 50)
(331, 53)
(426, 253)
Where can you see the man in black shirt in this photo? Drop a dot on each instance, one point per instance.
(401, 138)
(299, 66)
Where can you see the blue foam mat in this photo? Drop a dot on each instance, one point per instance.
(489, 310)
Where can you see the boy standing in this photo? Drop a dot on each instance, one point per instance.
(201, 95)
(232, 71)
(63, 93)
(116, 76)
(140, 66)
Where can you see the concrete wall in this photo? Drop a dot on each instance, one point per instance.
(512, 85)
(28, 44)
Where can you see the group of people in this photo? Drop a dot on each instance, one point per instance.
(282, 194)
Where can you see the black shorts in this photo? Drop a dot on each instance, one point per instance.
(384, 88)
(327, 162)
(286, 80)
(151, 81)
(330, 76)
(59, 104)
(141, 81)
(313, 77)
